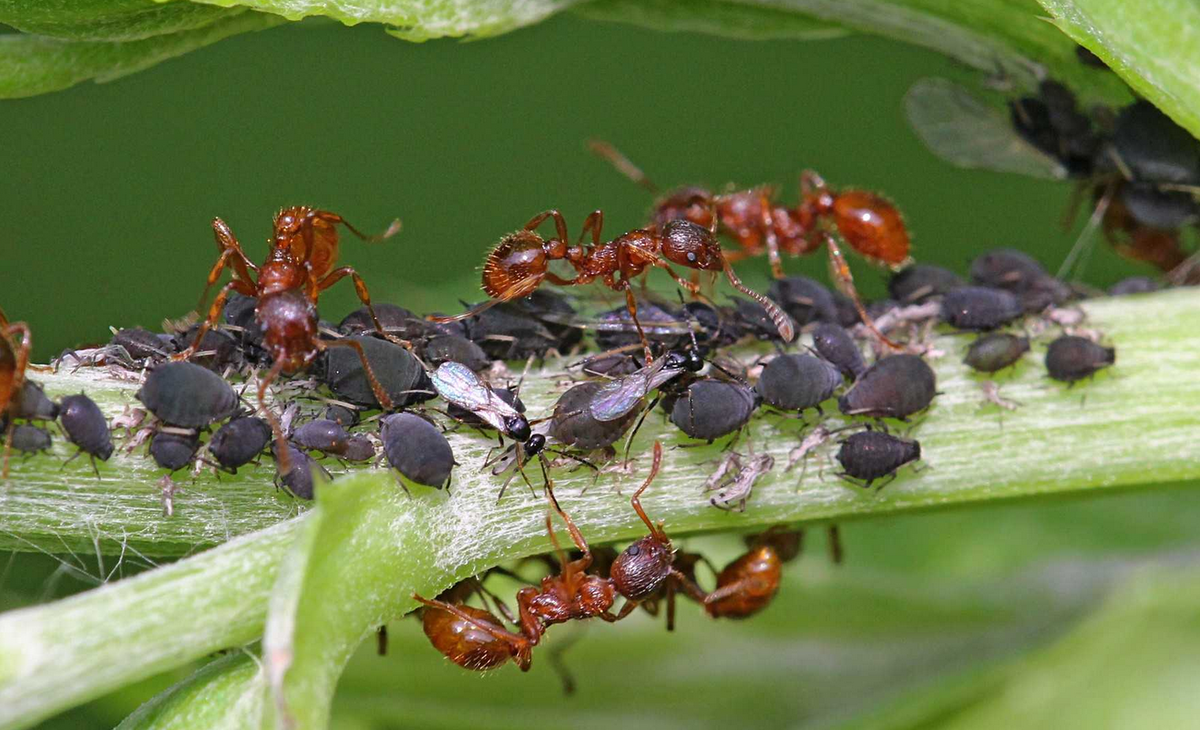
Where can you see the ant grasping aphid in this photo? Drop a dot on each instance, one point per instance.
(519, 264)
(868, 223)
(14, 358)
(297, 269)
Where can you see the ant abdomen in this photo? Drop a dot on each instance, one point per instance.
(757, 575)
(516, 266)
(643, 566)
(872, 226)
(466, 643)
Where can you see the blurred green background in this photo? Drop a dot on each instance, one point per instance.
(109, 191)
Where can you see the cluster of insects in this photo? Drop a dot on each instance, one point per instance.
(383, 385)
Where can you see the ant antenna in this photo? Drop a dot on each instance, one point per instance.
(783, 322)
(623, 164)
(635, 500)
(392, 230)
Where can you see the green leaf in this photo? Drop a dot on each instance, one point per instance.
(1151, 44)
(225, 693)
(31, 64)
(715, 17)
(108, 20)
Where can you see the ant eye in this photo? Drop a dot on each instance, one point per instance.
(633, 550)
(691, 256)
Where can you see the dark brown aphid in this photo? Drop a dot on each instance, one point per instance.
(979, 308)
(187, 395)
(394, 370)
(454, 348)
(322, 435)
(31, 403)
(301, 473)
(1021, 274)
(30, 439)
(711, 408)
(797, 382)
(14, 357)
(871, 455)
(141, 344)
(173, 451)
(573, 425)
(894, 387)
(868, 223)
(299, 267)
(1071, 358)
(86, 427)
(995, 351)
(417, 449)
(919, 282)
(239, 442)
(835, 344)
(520, 263)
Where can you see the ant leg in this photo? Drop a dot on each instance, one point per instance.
(835, 544)
(385, 401)
(844, 280)
(515, 640)
(392, 229)
(282, 455)
(214, 313)
(232, 255)
(560, 225)
(594, 223)
(636, 499)
(811, 183)
(576, 535)
(772, 241)
(631, 307)
(364, 296)
(671, 603)
(623, 164)
(555, 657)
(381, 640)
(690, 589)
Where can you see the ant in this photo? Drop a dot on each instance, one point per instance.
(519, 264)
(14, 359)
(573, 594)
(298, 268)
(870, 224)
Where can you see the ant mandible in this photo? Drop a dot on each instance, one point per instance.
(14, 358)
(868, 223)
(519, 264)
(297, 269)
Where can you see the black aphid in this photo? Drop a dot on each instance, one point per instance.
(804, 299)
(141, 344)
(894, 387)
(573, 425)
(187, 395)
(509, 332)
(717, 327)
(1021, 274)
(359, 448)
(417, 449)
(401, 375)
(239, 442)
(1134, 285)
(348, 417)
(871, 455)
(454, 348)
(796, 382)
(753, 320)
(32, 404)
(172, 450)
(919, 282)
(614, 329)
(835, 344)
(995, 351)
(239, 312)
(328, 437)
(86, 427)
(30, 439)
(305, 472)
(1154, 147)
(979, 308)
(1072, 358)
(218, 350)
(395, 320)
(710, 409)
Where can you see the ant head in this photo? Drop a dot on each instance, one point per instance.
(534, 444)
(517, 427)
(642, 567)
(691, 245)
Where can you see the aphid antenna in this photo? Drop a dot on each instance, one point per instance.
(1075, 261)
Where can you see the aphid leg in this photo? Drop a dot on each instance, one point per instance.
(840, 273)
(772, 241)
(282, 454)
(385, 401)
(835, 544)
(1086, 239)
(214, 313)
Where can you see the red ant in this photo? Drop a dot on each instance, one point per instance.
(574, 594)
(868, 223)
(298, 268)
(519, 264)
(14, 358)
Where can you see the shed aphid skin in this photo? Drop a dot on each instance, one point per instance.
(734, 479)
(84, 425)
(872, 455)
(520, 263)
(417, 449)
(299, 266)
(894, 387)
(1070, 358)
(995, 351)
(867, 223)
(187, 395)
(797, 382)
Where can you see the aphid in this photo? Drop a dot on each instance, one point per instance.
(322, 435)
(871, 455)
(754, 321)
(894, 387)
(239, 316)
(359, 448)
(710, 408)
(797, 382)
(172, 450)
(454, 348)
(979, 308)
(141, 344)
(30, 439)
(866, 222)
(215, 350)
(298, 268)
(301, 474)
(804, 299)
(734, 480)
(30, 403)
(1134, 285)
(616, 398)
(187, 395)
(239, 442)
(837, 346)
(508, 331)
(394, 320)
(573, 424)
(615, 330)
(917, 283)
(1071, 358)
(519, 264)
(995, 351)
(417, 449)
(1021, 274)
(13, 360)
(342, 413)
(718, 327)
(85, 426)
(393, 374)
